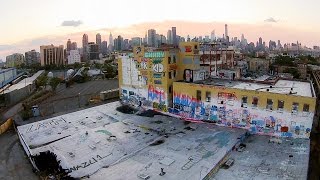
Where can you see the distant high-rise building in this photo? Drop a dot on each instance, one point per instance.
(51, 54)
(169, 37)
(68, 45)
(260, 41)
(93, 51)
(118, 43)
(174, 36)
(74, 57)
(135, 41)
(188, 38)
(213, 35)
(226, 31)
(104, 47)
(14, 60)
(152, 38)
(98, 41)
(32, 57)
(74, 46)
(85, 41)
(110, 39)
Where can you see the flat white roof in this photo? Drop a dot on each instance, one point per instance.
(23, 83)
(102, 142)
(281, 87)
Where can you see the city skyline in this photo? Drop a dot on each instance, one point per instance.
(22, 33)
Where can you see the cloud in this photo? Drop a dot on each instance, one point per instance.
(271, 20)
(71, 23)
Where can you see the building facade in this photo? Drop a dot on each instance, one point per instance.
(74, 57)
(32, 57)
(51, 54)
(172, 81)
(85, 41)
(14, 60)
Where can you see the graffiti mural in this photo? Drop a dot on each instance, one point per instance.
(257, 121)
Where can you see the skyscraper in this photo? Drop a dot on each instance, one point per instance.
(110, 39)
(110, 42)
(174, 36)
(226, 31)
(52, 55)
(104, 47)
(152, 38)
(213, 35)
(74, 46)
(118, 43)
(169, 37)
(85, 40)
(98, 41)
(68, 45)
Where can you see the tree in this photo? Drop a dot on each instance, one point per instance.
(42, 80)
(54, 82)
(295, 73)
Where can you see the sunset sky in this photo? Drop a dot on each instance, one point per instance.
(27, 24)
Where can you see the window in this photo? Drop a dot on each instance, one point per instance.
(131, 93)
(208, 96)
(169, 60)
(255, 102)
(244, 101)
(295, 107)
(170, 75)
(280, 105)
(174, 59)
(195, 47)
(174, 74)
(269, 104)
(170, 89)
(198, 95)
(306, 108)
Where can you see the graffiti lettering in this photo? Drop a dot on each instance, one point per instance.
(88, 163)
(45, 125)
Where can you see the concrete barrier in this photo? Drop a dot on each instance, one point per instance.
(6, 125)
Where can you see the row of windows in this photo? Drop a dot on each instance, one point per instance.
(254, 103)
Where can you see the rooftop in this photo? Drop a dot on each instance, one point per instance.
(263, 160)
(296, 88)
(25, 82)
(101, 142)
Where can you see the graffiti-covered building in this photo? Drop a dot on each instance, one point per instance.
(173, 81)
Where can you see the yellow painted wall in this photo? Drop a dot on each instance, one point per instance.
(191, 90)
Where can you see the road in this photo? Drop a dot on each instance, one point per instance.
(14, 162)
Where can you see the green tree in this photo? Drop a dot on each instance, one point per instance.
(295, 73)
(42, 81)
(54, 82)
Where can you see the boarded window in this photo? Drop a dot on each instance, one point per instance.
(244, 99)
(295, 107)
(280, 105)
(198, 95)
(269, 104)
(255, 102)
(208, 96)
(306, 108)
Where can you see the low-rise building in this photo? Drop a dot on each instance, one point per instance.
(172, 81)
(14, 60)
(74, 57)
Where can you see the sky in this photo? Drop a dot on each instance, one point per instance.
(27, 24)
